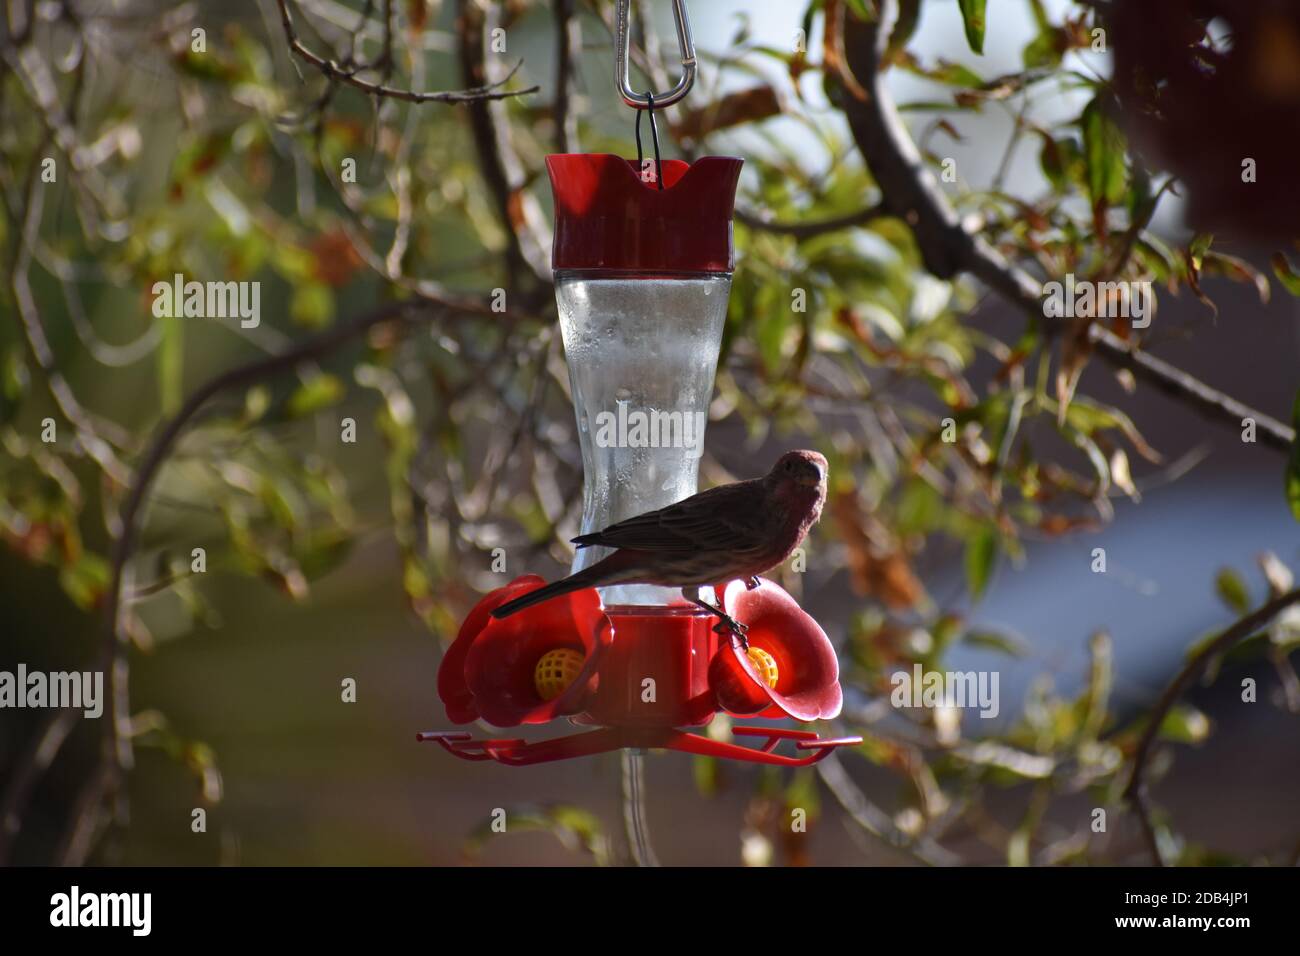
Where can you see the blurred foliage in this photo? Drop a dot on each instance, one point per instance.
(236, 163)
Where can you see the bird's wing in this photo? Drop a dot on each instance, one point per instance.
(722, 518)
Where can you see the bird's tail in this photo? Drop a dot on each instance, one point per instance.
(574, 582)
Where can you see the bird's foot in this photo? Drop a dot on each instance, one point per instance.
(726, 623)
(752, 583)
(729, 625)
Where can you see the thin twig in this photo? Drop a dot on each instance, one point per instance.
(1189, 389)
(1142, 810)
(876, 821)
(27, 225)
(338, 72)
(816, 227)
(1242, 629)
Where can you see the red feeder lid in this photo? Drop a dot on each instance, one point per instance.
(607, 218)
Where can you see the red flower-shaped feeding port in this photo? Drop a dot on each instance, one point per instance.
(489, 671)
(638, 676)
(803, 680)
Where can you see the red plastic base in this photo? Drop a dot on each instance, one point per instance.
(518, 753)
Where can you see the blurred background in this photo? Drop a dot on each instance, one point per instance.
(328, 561)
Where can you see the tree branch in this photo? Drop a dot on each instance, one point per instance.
(339, 73)
(527, 238)
(912, 193)
(1189, 389)
(1134, 792)
(817, 227)
(568, 39)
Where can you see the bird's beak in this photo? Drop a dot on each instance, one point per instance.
(812, 480)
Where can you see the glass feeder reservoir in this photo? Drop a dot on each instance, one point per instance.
(642, 278)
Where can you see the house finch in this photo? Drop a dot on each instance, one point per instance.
(731, 532)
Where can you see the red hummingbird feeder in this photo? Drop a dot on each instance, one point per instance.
(643, 258)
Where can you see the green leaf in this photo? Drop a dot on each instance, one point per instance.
(1293, 462)
(909, 13)
(1095, 700)
(860, 10)
(1103, 147)
(1042, 51)
(920, 508)
(1238, 270)
(257, 402)
(972, 14)
(1155, 256)
(1018, 847)
(324, 552)
(576, 828)
(319, 391)
(1002, 643)
(1233, 591)
(1047, 47)
(1052, 162)
(14, 379)
(1185, 725)
(1286, 273)
(771, 325)
(706, 773)
(950, 74)
(981, 558)
(1089, 416)
(1100, 464)
(86, 581)
(1199, 246)
(312, 305)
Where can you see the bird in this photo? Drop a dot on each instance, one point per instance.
(732, 532)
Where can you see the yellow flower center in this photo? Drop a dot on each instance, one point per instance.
(765, 664)
(556, 671)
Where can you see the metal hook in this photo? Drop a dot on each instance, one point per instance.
(642, 101)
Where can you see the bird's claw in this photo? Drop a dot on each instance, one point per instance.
(729, 625)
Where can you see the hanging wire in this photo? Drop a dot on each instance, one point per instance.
(634, 822)
(654, 135)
